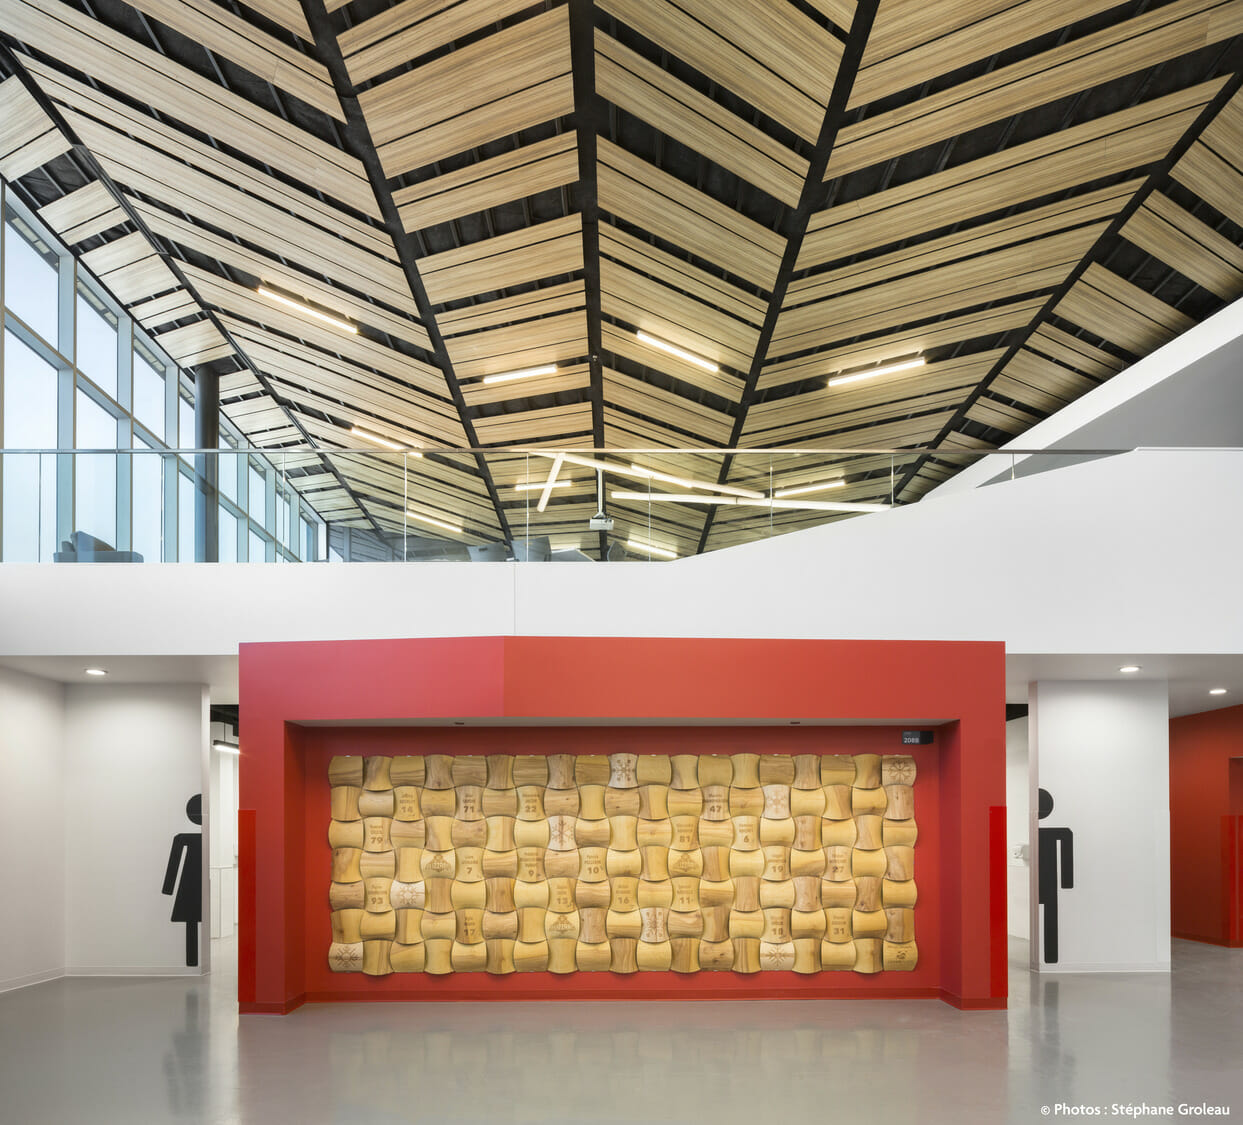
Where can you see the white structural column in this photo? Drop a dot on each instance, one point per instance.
(1101, 750)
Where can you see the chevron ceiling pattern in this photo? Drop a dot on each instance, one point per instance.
(1022, 197)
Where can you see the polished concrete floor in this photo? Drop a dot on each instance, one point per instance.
(173, 1050)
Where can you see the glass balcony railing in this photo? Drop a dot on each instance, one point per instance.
(538, 504)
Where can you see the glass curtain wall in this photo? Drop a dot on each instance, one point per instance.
(77, 373)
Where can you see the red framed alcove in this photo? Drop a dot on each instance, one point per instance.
(303, 702)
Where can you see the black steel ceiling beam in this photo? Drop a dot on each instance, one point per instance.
(92, 165)
(811, 200)
(1158, 175)
(590, 120)
(358, 143)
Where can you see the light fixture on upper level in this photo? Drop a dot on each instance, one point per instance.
(226, 747)
(455, 528)
(1217, 691)
(525, 373)
(802, 490)
(651, 549)
(1129, 669)
(376, 439)
(872, 373)
(681, 353)
(95, 671)
(306, 310)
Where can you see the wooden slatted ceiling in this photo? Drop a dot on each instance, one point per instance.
(635, 299)
(1039, 383)
(516, 347)
(497, 86)
(524, 426)
(543, 250)
(1115, 310)
(414, 28)
(632, 82)
(280, 277)
(28, 138)
(915, 40)
(489, 183)
(211, 201)
(1192, 247)
(65, 34)
(131, 268)
(770, 54)
(1070, 351)
(206, 158)
(161, 310)
(569, 377)
(287, 13)
(700, 422)
(1118, 142)
(195, 343)
(264, 55)
(625, 343)
(89, 211)
(642, 194)
(1027, 268)
(1213, 166)
(489, 314)
(904, 344)
(1123, 48)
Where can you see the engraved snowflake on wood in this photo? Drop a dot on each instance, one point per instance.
(900, 771)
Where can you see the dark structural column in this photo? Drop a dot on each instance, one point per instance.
(206, 467)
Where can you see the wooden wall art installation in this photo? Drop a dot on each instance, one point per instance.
(625, 863)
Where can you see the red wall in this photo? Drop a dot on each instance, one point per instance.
(1206, 800)
(284, 793)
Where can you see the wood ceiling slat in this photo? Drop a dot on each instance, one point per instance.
(195, 343)
(160, 310)
(488, 89)
(540, 302)
(721, 58)
(573, 377)
(287, 13)
(1179, 239)
(280, 276)
(1036, 223)
(681, 320)
(1079, 354)
(140, 168)
(916, 41)
(89, 46)
(232, 37)
(902, 345)
(536, 252)
(171, 141)
(1092, 60)
(642, 194)
(713, 427)
(680, 275)
(130, 267)
(238, 383)
(1037, 382)
(628, 80)
(1131, 138)
(502, 179)
(624, 343)
(884, 435)
(886, 305)
(401, 426)
(534, 343)
(1213, 179)
(1008, 419)
(625, 431)
(244, 302)
(530, 425)
(88, 211)
(841, 12)
(828, 404)
(28, 138)
(1114, 309)
(414, 28)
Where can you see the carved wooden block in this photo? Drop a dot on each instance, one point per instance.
(625, 863)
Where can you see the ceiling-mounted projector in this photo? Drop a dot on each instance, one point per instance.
(600, 522)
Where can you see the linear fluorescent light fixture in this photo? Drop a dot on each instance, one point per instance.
(804, 489)
(456, 529)
(226, 747)
(681, 353)
(525, 373)
(376, 439)
(890, 369)
(1130, 669)
(95, 671)
(540, 485)
(647, 474)
(651, 549)
(306, 310)
(1217, 691)
(743, 502)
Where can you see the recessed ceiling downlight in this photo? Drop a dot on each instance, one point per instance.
(96, 671)
(1130, 668)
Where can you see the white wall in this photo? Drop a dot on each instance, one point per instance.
(32, 839)
(945, 569)
(134, 755)
(1018, 830)
(223, 822)
(1101, 749)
